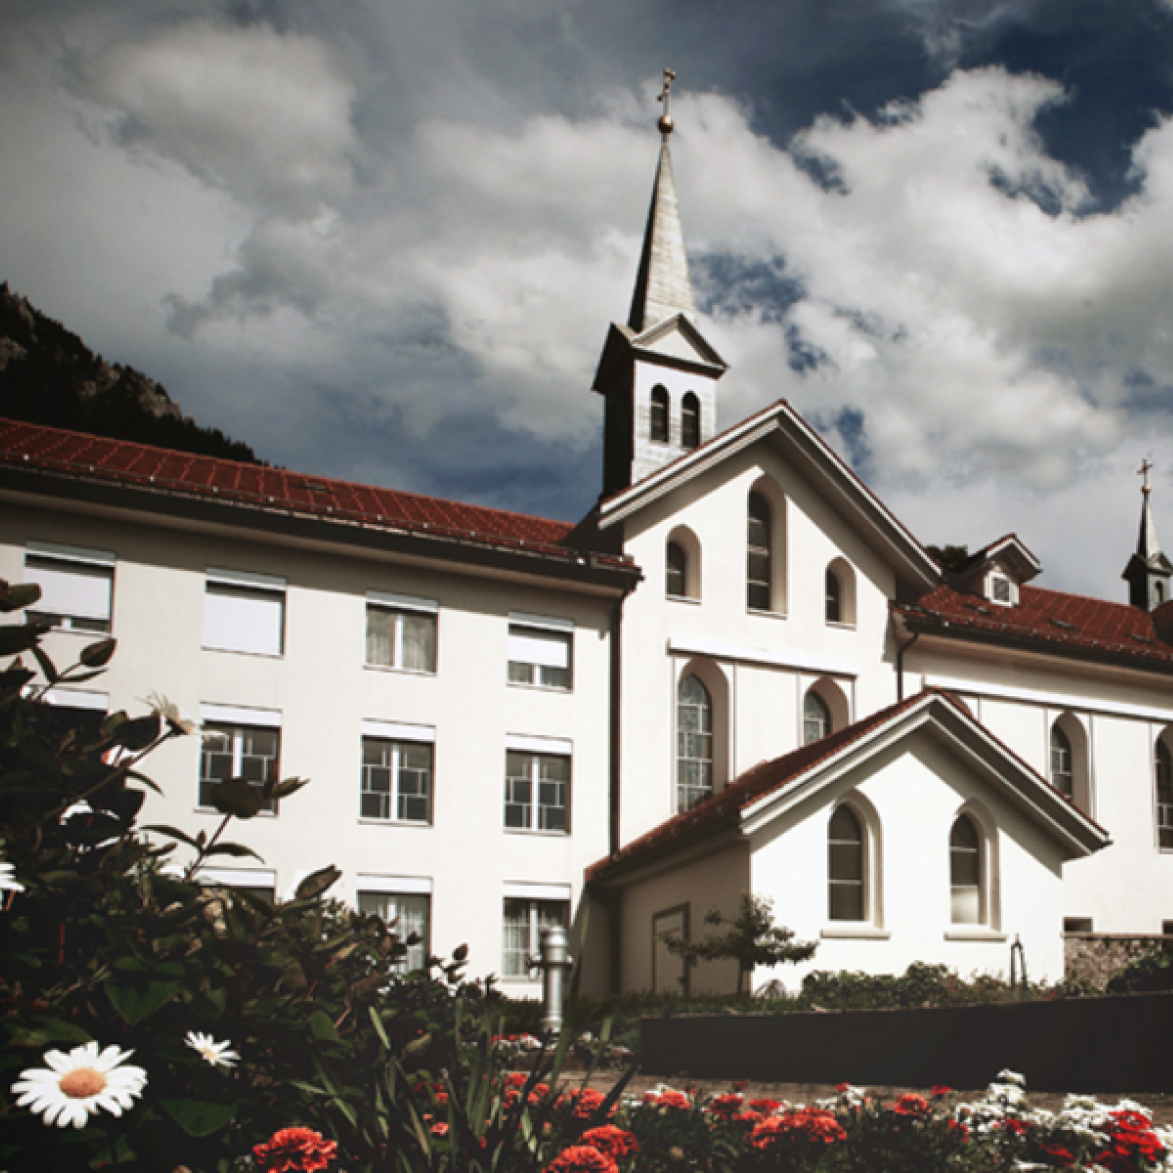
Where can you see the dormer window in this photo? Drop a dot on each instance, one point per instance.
(1001, 589)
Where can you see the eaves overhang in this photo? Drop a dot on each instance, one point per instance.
(814, 459)
(346, 529)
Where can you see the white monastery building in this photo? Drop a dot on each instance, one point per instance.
(738, 673)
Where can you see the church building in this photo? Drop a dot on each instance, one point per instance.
(740, 672)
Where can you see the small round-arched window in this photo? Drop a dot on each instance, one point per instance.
(846, 893)
(965, 872)
(834, 598)
(676, 571)
(690, 421)
(658, 424)
(816, 718)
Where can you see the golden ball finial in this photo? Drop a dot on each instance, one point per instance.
(665, 124)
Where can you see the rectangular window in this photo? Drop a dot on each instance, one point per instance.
(233, 749)
(523, 922)
(244, 613)
(401, 632)
(537, 784)
(409, 915)
(396, 773)
(1077, 924)
(261, 883)
(540, 651)
(77, 586)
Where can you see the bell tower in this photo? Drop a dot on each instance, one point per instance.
(657, 374)
(1148, 571)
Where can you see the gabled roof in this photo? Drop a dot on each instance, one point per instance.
(1046, 621)
(815, 460)
(1007, 550)
(760, 791)
(260, 494)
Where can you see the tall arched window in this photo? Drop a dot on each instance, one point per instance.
(676, 570)
(847, 893)
(694, 744)
(757, 554)
(658, 430)
(690, 421)
(1062, 763)
(834, 598)
(965, 873)
(1164, 770)
(816, 717)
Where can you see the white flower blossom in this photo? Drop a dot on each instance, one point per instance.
(212, 1052)
(77, 1085)
(8, 880)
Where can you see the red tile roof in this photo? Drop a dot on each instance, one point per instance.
(122, 462)
(724, 808)
(1047, 621)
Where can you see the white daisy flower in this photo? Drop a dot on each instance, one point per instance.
(75, 1086)
(8, 880)
(217, 1054)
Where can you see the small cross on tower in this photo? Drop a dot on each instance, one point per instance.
(665, 124)
(1143, 471)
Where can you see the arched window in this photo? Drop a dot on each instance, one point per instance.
(658, 430)
(676, 570)
(965, 873)
(834, 598)
(757, 554)
(1164, 770)
(694, 744)
(1062, 762)
(816, 717)
(690, 421)
(847, 893)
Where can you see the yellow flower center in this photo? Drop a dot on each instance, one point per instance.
(82, 1082)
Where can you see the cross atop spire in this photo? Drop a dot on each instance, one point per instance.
(666, 124)
(1144, 470)
(1148, 571)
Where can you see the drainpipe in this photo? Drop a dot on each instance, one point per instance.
(614, 788)
(900, 650)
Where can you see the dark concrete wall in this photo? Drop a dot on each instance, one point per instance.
(1122, 1044)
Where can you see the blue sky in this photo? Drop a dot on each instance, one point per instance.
(383, 240)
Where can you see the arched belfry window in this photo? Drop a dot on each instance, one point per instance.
(1062, 762)
(847, 890)
(757, 554)
(834, 598)
(676, 571)
(816, 718)
(1163, 766)
(658, 428)
(694, 744)
(690, 421)
(967, 904)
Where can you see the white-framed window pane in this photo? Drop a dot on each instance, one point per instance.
(845, 866)
(237, 751)
(537, 791)
(419, 642)
(381, 624)
(401, 638)
(522, 923)
(965, 873)
(539, 657)
(409, 915)
(74, 594)
(244, 619)
(553, 794)
(396, 781)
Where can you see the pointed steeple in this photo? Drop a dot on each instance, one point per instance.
(1148, 571)
(657, 374)
(662, 285)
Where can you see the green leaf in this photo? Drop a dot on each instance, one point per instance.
(173, 833)
(137, 1002)
(19, 639)
(48, 668)
(322, 1027)
(47, 1030)
(234, 849)
(138, 733)
(378, 1024)
(317, 883)
(18, 595)
(238, 798)
(98, 655)
(199, 1117)
(286, 787)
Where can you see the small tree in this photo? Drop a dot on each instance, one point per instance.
(750, 939)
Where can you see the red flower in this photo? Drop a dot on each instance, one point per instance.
(582, 1158)
(584, 1101)
(910, 1104)
(810, 1125)
(957, 1126)
(1016, 1126)
(726, 1106)
(670, 1100)
(611, 1141)
(440, 1128)
(1057, 1152)
(1131, 1135)
(295, 1150)
(515, 1079)
(842, 1087)
(739, 1085)
(765, 1106)
(938, 1090)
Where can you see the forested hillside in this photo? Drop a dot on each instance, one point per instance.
(49, 376)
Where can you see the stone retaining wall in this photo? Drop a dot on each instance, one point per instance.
(1094, 958)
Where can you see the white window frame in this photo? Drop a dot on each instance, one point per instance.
(998, 578)
(399, 737)
(539, 647)
(262, 881)
(247, 624)
(77, 586)
(402, 608)
(406, 900)
(531, 753)
(240, 722)
(535, 906)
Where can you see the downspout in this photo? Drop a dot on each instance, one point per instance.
(614, 788)
(900, 650)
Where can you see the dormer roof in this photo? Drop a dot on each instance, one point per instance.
(1006, 558)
